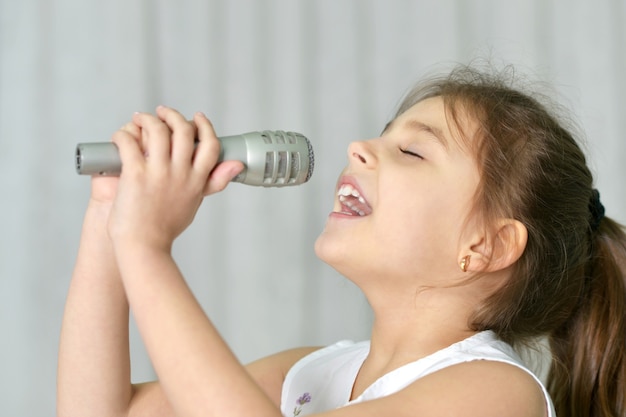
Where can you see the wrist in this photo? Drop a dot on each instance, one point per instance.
(130, 246)
(95, 220)
(99, 208)
(138, 258)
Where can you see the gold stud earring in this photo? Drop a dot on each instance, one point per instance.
(464, 263)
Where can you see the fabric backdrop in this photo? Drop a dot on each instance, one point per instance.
(73, 71)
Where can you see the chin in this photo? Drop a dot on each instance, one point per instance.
(330, 250)
(320, 247)
(336, 255)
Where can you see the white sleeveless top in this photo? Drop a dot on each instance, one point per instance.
(324, 379)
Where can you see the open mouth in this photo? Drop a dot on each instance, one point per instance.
(352, 203)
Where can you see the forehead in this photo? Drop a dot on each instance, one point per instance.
(451, 126)
(428, 115)
(430, 110)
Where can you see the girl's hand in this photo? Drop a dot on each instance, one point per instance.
(165, 177)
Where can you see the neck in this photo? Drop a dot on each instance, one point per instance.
(421, 324)
(408, 328)
(413, 323)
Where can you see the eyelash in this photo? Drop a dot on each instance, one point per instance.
(410, 153)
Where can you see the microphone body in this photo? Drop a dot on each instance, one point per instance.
(270, 158)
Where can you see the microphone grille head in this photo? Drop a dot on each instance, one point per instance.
(311, 160)
(302, 157)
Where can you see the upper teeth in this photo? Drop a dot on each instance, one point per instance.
(348, 190)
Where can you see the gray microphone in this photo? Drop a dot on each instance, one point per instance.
(270, 158)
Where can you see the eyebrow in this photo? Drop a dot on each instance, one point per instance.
(416, 125)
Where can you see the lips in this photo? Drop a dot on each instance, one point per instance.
(352, 202)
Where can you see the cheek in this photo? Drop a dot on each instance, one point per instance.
(425, 227)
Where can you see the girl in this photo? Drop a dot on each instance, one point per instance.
(471, 225)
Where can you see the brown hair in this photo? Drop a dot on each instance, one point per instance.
(569, 282)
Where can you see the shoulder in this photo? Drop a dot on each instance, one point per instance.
(486, 378)
(480, 376)
(472, 389)
(269, 372)
(478, 388)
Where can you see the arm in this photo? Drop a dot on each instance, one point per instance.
(93, 368)
(197, 371)
(94, 336)
(157, 198)
(94, 365)
(270, 372)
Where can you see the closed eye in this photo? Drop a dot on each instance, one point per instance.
(411, 153)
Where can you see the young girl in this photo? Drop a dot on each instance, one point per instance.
(471, 224)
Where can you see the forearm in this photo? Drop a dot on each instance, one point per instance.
(94, 368)
(196, 369)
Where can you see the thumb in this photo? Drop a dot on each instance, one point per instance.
(221, 176)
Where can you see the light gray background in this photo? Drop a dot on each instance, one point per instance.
(334, 70)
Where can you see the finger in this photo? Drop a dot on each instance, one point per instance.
(133, 127)
(208, 148)
(183, 135)
(129, 150)
(155, 138)
(222, 175)
(133, 130)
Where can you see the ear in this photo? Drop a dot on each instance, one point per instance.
(497, 250)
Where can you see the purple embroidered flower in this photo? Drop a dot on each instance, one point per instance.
(304, 399)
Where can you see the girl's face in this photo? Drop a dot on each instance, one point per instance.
(402, 203)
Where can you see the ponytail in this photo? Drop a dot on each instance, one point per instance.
(588, 374)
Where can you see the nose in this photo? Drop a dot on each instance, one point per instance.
(361, 153)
